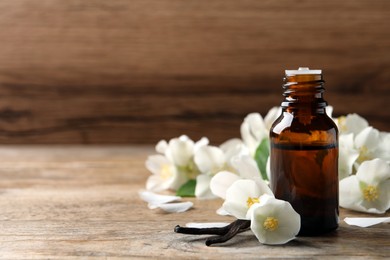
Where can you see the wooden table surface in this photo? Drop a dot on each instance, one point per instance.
(58, 202)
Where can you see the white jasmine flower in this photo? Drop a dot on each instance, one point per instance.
(253, 131)
(241, 195)
(369, 189)
(352, 123)
(175, 165)
(180, 151)
(164, 174)
(347, 155)
(274, 221)
(211, 160)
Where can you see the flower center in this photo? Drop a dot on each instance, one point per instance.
(252, 200)
(363, 154)
(166, 172)
(370, 193)
(271, 223)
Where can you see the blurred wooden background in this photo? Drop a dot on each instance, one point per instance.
(137, 71)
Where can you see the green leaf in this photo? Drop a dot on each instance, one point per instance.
(187, 189)
(261, 156)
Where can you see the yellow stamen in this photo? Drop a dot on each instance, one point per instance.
(251, 201)
(166, 172)
(271, 223)
(363, 154)
(370, 193)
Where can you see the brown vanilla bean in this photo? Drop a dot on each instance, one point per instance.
(223, 233)
(238, 226)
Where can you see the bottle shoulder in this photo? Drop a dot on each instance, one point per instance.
(318, 128)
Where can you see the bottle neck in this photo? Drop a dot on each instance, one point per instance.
(304, 93)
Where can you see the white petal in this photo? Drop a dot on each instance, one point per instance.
(162, 146)
(271, 116)
(288, 222)
(202, 189)
(155, 162)
(347, 155)
(156, 199)
(236, 209)
(174, 207)
(246, 167)
(253, 130)
(373, 172)
(222, 212)
(184, 138)
(263, 200)
(368, 138)
(207, 225)
(366, 222)
(263, 186)
(230, 144)
(156, 184)
(209, 159)
(383, 151)
(202, 142)
(352, 123)
(233, 147)
(350, 193)
(221, 182)
(181, 150)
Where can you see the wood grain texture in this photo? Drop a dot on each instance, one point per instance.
(137, 71)
(69, 202)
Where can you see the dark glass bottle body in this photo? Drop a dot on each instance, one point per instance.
(304, 155)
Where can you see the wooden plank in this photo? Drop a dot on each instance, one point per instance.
(94, 118)
(71, 70)
(60, 201)
(158, 44)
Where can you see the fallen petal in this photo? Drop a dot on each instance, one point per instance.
(207, 225)
(156, 199)
(366, 222)
(174, 207)
(222, 212)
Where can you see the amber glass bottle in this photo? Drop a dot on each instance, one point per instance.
(304, 153)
